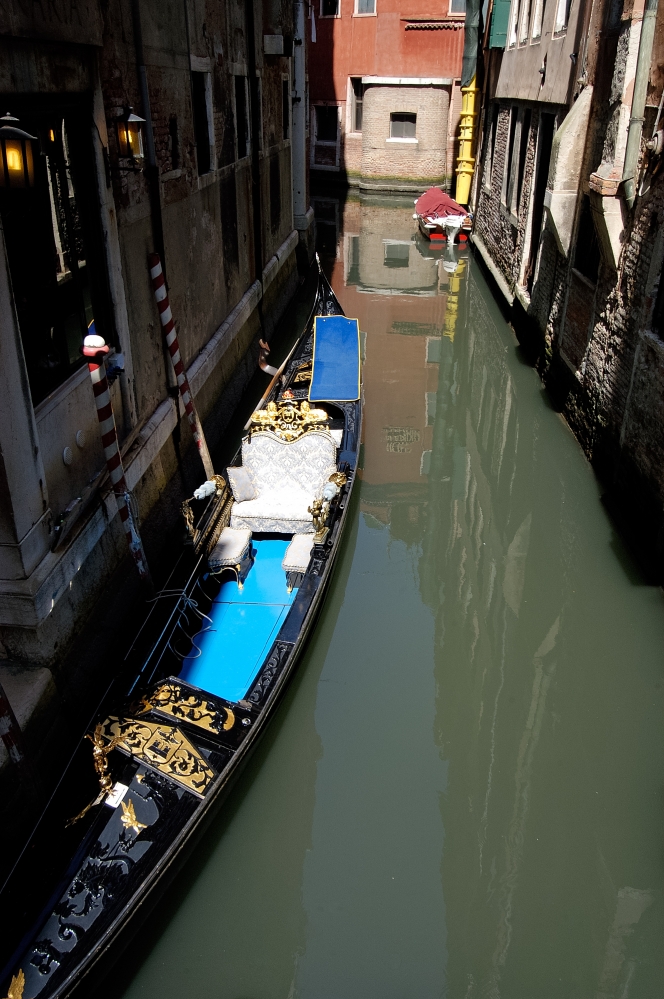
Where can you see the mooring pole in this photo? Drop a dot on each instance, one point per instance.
(171, 338)
(94, 349)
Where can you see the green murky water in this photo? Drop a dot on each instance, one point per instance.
(461, 795)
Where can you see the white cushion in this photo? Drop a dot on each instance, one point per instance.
(231, 547)
(242, 483)
(283, 511)
(298, 553)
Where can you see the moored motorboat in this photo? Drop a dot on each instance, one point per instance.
(202, 678)
(440, 218)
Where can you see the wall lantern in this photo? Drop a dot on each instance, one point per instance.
(130, 137)
(17, 167)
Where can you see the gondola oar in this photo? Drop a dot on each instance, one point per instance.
(279, 371)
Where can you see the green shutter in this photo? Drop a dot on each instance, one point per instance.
(499, 20)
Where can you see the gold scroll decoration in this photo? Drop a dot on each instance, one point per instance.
(162, 748)
(289, 420)
(171, 700)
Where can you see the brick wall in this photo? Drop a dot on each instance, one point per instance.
(424, 161)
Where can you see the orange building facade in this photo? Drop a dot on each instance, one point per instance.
(384, 79)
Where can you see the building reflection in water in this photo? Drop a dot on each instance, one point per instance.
(464, 463)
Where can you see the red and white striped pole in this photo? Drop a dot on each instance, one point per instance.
(168, 329)
(94, 349)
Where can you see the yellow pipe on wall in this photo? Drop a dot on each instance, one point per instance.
(465, 159)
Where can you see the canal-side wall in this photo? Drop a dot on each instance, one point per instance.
(579, 269)
(208, 182)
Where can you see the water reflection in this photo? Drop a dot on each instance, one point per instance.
(462, 796)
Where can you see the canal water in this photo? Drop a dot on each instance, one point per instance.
(461, 794)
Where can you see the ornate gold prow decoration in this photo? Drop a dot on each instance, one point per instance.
(289, 420)
(17, 986)
(100, 752)
(129, 820)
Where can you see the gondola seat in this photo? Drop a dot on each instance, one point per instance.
(232, 551)
(287, 477)
(297, 558)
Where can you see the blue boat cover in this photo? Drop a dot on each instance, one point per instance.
(336, 368)
(229, 650)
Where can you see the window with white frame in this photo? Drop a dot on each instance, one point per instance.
(524, 21)
(562, 15)
(536, 33)
(403, 125)
(365, 6)
(457, 7)
(514, 20)
(330, 8)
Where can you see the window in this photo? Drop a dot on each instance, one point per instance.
(327, 121)
(491, 146)
(537, 20)
(285, 108)
(562, 15)
(55, 251)
(241, 117)
(396, 254)
(365, 6)
(523, 149)
(524, 21)
(174, 142)
(514, 18)
(457, 7)
(586, 253)
(352, 260)
(402, 125)
(506, 192)
(201, 96)
(356, 103)
(325, 147)
(434, 349)
(329, 8)
(430, 408)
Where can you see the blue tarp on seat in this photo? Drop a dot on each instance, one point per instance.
(336, 367)
(244, 626)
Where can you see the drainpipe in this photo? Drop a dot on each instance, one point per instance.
(639, 102)
(299, 148)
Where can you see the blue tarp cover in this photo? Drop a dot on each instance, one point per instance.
(244, 625)
(336, 370)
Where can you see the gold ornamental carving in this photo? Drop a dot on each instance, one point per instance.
(163, 748)
(289, 420)
(129, 820)
(169, 699)
(17, 986)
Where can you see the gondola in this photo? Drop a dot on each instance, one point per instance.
(202, 678)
